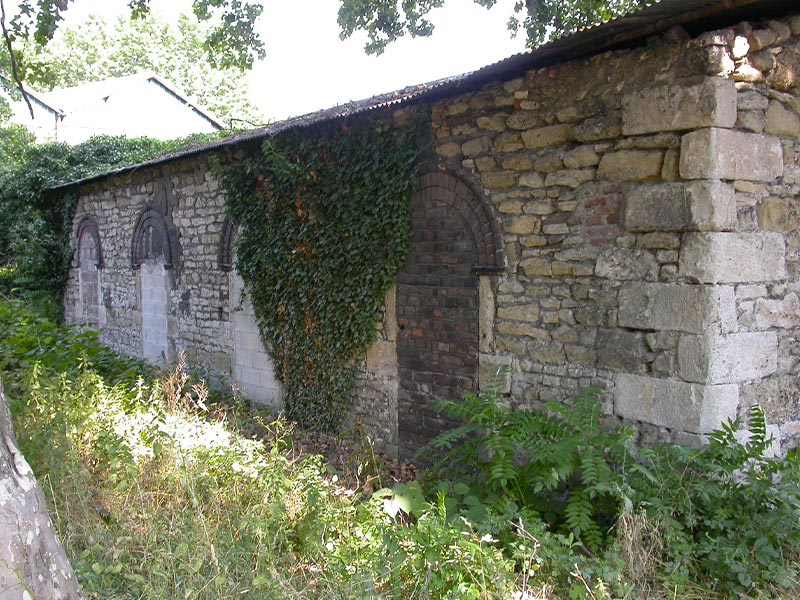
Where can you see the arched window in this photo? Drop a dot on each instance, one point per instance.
(89, 256)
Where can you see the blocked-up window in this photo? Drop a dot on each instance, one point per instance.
(89, 309)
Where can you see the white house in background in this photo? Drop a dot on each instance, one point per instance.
(143, 104)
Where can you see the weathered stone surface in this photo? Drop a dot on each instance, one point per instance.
(781, 121)
(499, 180)
(672, 307)
(571, 178)
(520, 312)
(524, 119)
(33, 564)
(449, 150)
(697, 206)
(622, 264)
(631, 165)
(675, 404)
(524, 225)
(493, 123)
(732, 358)
(494, 372)
(726, 154)
(477, 146)
(747, 73)
(680, 105)
(531, 180)
(733, 257)
(777, 214)
(580, 157)
(544, 137)
(508, 142)
(595, 129)
(381, 359)
(620, 349)
(782, 314)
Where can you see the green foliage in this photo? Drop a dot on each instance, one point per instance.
(97, 51)
(729, 514)
(542, 20)
(561, 463)
(35, 223)
(547, 20)
(725, 516)
(324, 224)
(230, 42)
(154, 498)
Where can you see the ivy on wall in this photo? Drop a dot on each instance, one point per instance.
(324, 224)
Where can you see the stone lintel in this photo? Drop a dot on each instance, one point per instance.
(732, 358)
(733, 257)
(677, 405)
(695, 206)
(709, 102)
(715, 153)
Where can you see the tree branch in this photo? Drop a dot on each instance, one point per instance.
(14, 69)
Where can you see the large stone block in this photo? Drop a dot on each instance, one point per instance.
(733, 257)
(733, 358)
(551, 135)
(715, 153)
(676, 106)
(678, 405)
(631, 165)
(674, 307)
(695, 206)
(623, 264)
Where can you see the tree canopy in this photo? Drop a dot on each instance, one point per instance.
(99, 50)
(541, 20)
(231, 41)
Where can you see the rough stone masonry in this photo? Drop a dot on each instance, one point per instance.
(628, 220)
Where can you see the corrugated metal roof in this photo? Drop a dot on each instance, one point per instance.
(658, 16)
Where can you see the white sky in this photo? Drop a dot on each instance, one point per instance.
(308, 67)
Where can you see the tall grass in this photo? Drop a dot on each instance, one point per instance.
(157, 495)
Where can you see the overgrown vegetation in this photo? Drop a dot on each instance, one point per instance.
(156, 495)
(35, 223)
(324, 222)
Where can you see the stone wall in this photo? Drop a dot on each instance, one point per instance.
(648, 205)
(632, 219)
(161, 230)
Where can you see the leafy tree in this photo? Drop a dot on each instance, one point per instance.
(231, 41)
(542, 20)
(98, 51)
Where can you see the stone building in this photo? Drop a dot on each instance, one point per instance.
(617, 209)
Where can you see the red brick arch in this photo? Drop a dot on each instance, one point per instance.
(455, 239)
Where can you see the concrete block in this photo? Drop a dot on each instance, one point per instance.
(695, 206)
(710, 102)
(669, 306)
(715, 153)
(733, 257)
(732, 358)
(677, 405)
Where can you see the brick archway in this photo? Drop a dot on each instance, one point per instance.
(454, 241)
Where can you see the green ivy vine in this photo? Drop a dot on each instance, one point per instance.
(324, 224)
